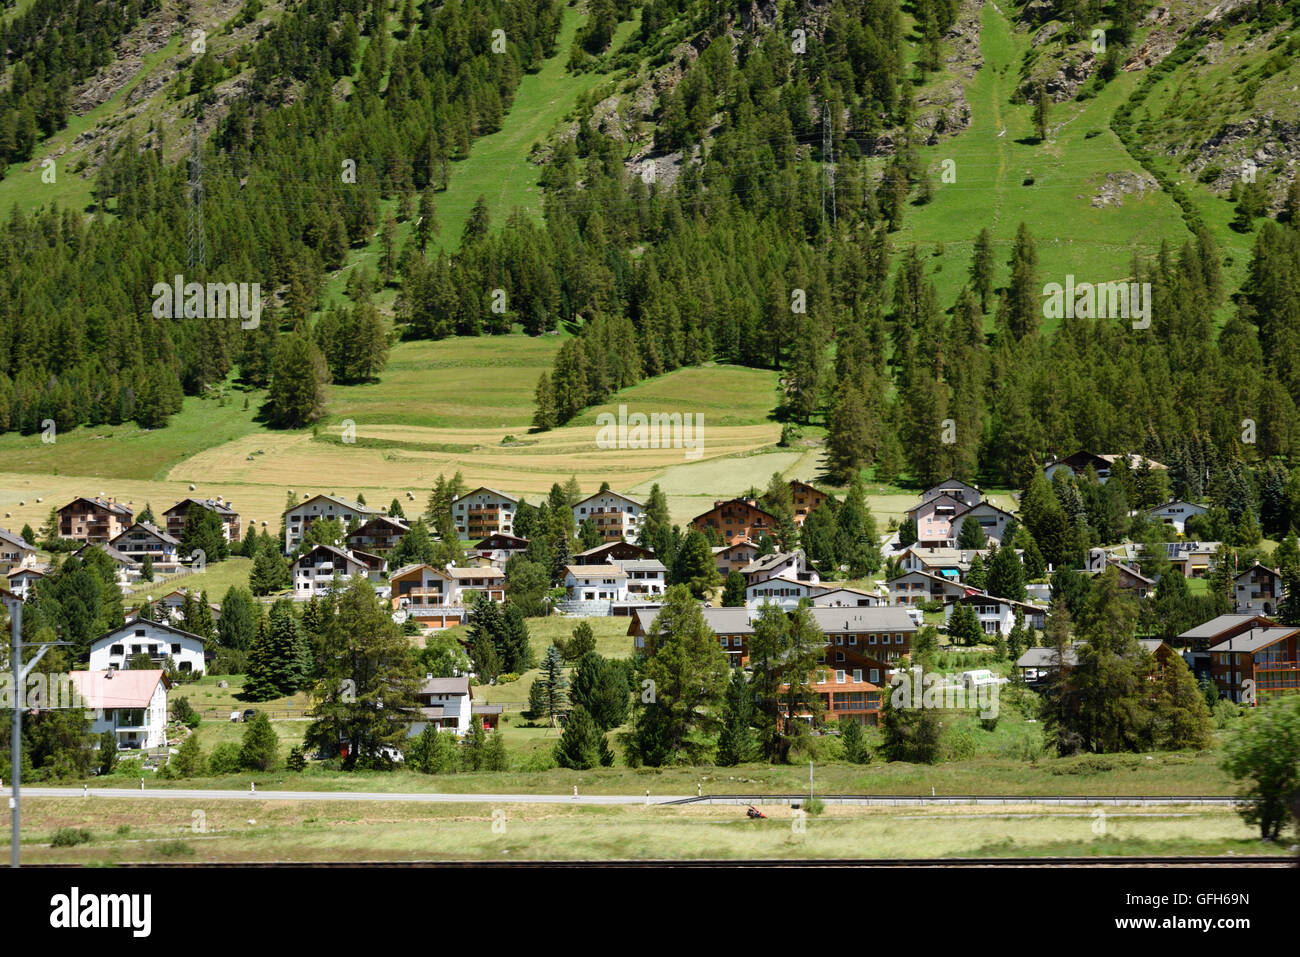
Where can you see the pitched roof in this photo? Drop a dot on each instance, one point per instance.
(211, 504)
(496, 539)
(595, 571)
(152, 529)
(639, 564)
(484, 488)
(866, 618)
(1217, 626)
(13, 539)
(344, 502)
(117, 689)
(1255, 639)
(1046, 657)
(146, 621)
(608, 492)
(476, 571)
(117, 507)
(445, 686)
(119, 557)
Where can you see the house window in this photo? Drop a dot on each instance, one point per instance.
(176, 648)
(737, 642)
(839, 656)
(139, 632)
(116, 650)
(857, 674)
(839, 677)
(875, 675)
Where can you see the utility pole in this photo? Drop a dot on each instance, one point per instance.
(20, 673)
(198, 246)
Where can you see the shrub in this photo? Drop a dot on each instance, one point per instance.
(224, 758)
(814, 806)
(71, 837)
(174, 849)
(297, 761)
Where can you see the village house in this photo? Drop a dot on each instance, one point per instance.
(171, 604)
(934, 521)
(1132, 579)
(945, 562)
(846, 598)
(175, 517)
(15, 552)
(916, 587)
(444, 703)
(646, 577)
(992, 521)
(1192, 559)
(736, 520)
(1200, 639)
(792, 565)
(1254, 665)
(1258, 590)
(845, 696)
(734, 557)
(804, 499)
(442, 597)
(875, 637)
(499, 548)
(316, 568)
(600, 584)
(130, 704)
(23, 580)
(780, 590)
(158, 640)
(1038, 664)
(997, 614)
(377, 535)
(329, 507)
(484, 512)
(1078, 463)
(1175, 513)
(143, 540)
(617, 517)
(93, 520)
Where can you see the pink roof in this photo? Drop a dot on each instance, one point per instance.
(116, 689)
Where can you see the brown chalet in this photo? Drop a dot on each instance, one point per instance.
(806, 499)
(735, 521)
(1265, 657)
(379, 535)
(93, 520)
(176, 517)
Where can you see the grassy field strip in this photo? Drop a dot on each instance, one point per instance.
(261, 830)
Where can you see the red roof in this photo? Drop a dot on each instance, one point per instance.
(117, 689)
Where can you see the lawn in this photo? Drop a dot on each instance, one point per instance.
(127, 830)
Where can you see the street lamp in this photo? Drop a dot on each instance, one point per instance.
(15, 606)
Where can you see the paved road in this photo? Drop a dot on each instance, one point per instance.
(179, 794)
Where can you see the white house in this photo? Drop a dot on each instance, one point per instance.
(115, 649)
(444, 703)
(915, 587)
(1258, 590)
(23, 580)
(299, 518)
(500, 548)
(131, 704)
(786, 592)
(792, 564)
(15, 551)
(483, 512)
(128, 569)
(645, 576)
(316, 568)
(617, 516)
(595, 583)
(998, 614)
(846, 598)
(1176, 513)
